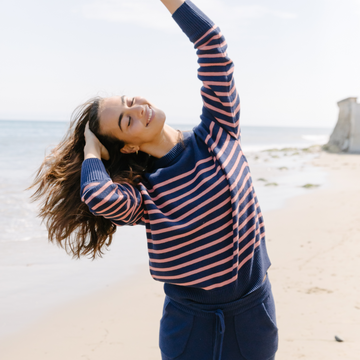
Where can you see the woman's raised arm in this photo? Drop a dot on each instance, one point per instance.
(220, 97)
(172, 5)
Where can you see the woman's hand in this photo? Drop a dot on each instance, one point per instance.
(172, 5)
(93, 147)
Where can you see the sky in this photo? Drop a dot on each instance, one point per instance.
(294, 60)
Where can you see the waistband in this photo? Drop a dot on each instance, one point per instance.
(232, 308)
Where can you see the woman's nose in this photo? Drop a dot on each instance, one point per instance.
(139, 110)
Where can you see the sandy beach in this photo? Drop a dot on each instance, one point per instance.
(314, 246)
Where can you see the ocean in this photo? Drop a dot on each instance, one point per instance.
(36, 276)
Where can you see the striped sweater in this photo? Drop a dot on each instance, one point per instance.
(204, 227)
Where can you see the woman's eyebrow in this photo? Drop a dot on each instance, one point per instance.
(121, 115)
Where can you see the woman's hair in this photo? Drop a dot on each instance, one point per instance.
(69, 222)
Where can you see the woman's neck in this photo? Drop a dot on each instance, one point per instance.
(167, 139)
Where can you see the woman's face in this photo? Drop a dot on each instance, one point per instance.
(131, 119)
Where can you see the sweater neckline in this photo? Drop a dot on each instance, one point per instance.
(169, 157)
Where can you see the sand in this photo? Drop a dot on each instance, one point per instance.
(314, 245)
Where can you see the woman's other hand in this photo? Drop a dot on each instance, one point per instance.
(172, 5)
(93, 147)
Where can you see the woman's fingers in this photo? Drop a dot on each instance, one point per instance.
(93, 146)
(87, 128)
(87, 132)
(89, 135)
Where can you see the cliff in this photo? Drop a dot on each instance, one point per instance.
(346, 134)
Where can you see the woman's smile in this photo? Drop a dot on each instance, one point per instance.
(150, 111)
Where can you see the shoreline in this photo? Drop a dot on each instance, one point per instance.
(314, 246)
(37, 276)
(281, 174)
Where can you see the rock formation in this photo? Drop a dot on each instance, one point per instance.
(346, 134)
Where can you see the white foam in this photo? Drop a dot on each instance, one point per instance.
(317, 139)
(262, 147)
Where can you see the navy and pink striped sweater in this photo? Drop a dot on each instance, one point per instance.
(205, 230)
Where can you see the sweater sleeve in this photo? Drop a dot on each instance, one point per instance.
(218, 91)
(120, 203)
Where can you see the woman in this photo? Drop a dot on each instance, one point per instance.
(192, 191)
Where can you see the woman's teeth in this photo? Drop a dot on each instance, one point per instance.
(150, 114)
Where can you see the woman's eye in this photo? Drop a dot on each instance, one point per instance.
(131, 103)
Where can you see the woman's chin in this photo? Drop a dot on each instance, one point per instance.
(160, 117)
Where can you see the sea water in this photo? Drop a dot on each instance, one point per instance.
(36, 275)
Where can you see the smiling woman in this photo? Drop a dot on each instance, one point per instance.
(195, 197)
(136, 122)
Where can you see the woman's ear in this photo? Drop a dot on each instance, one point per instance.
(129, 149)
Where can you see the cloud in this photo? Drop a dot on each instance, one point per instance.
(146, 14)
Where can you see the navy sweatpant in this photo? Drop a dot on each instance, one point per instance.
(241, 330)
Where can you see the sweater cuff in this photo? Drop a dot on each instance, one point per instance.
(93, 170)
(192, 21)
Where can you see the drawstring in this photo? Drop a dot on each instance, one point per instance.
(219, 336)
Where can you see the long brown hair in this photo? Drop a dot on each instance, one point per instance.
(69, 222)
